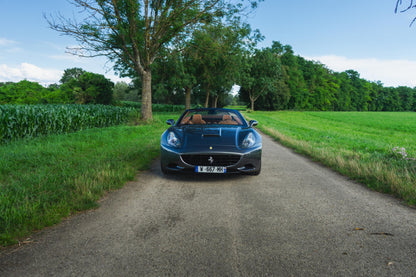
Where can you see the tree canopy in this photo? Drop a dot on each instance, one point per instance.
(217, 51)
(82, 87)
(262, 74)
(132, 33)
(89, 88)
(310, 85)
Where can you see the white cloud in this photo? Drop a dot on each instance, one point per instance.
(99, 66)
(6, 42)
(30, 72)
(389, 72)
(8, 47)
(115, 79)
(44, 76)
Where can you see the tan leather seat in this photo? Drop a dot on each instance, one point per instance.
(197, 120)
(227, 120)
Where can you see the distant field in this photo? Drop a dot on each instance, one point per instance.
(378, 149)
(239, 108)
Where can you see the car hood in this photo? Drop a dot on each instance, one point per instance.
(210, 138)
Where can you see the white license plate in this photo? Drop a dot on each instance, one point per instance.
(210, 169)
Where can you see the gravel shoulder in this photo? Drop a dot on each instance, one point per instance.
(296, 218)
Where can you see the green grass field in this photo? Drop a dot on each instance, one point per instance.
(45, 179)
(357, 144)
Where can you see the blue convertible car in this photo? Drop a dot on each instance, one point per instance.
(211, 141)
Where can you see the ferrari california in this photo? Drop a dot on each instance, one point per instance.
(211, 140)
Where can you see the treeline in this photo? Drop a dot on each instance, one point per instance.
(76, 87)
(300, 84)
(272, 78)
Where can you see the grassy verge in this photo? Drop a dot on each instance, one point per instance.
(239, 108)
(358, 145)
(48, 178)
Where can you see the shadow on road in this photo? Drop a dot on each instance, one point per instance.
(209, 178)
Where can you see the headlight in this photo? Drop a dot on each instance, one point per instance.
(173, 140)
(249, 141)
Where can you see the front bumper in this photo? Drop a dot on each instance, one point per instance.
(249, 162)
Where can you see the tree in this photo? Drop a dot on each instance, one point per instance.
(406, 98)
(90, 88)
(217, 50)
(359, 93)
(344, 94)
(71, 73)
(120, 90)
(23, 92)
(175, 75)
(262, 71)
(292, 75)
(410, 5)
(132, 32)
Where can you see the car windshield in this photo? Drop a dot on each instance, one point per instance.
(211, 117)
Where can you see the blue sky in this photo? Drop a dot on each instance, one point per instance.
(366, 36)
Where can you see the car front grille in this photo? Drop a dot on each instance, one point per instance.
(214, 160)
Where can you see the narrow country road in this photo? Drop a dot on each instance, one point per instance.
(296, 218)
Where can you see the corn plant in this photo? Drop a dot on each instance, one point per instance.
(27, 121)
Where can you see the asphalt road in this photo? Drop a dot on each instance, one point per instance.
(296, 218)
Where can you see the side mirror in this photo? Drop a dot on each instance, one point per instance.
(170, 122)
(253, 123)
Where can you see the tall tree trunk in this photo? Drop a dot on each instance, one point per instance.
(252, 103)
(188, 91)
(146, 111)
(214, 101)
(207, 99)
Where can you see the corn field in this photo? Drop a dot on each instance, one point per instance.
(27, 121)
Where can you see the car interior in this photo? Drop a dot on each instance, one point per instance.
(210, 119)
